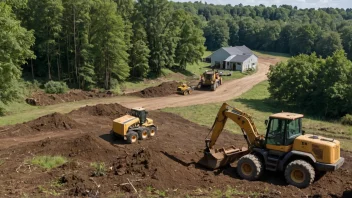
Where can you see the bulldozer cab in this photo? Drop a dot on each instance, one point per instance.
(140, 113)
(282, 129)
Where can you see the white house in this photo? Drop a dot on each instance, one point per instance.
(238, 58)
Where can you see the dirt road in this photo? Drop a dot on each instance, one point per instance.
(227, 91)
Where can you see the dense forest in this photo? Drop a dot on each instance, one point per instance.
(101, 43)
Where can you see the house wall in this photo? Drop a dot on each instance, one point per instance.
(219, 56)
(251, 62)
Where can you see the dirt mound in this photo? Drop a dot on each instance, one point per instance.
(44, 99)
(52, 122)
(48, 123)
(166, 163)
(110, 110)
(138, 163)
(164, 89)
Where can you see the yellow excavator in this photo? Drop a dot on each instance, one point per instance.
(284, 148)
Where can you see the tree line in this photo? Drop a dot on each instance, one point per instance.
(284, 28)
(319, 86)
(100, 43)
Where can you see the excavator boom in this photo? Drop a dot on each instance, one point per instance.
(215, 158)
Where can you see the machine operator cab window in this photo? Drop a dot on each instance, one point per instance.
(283, 128)
(140, 113)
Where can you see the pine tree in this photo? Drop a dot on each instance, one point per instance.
(109, 47)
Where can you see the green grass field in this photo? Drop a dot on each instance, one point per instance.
(256, 102)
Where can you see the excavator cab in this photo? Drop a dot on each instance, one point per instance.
(282, 130)
(140, 113)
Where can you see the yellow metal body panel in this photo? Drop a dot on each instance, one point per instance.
(121, 124)
(281, 148)
(325, 150)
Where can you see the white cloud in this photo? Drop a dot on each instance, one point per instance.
(299, 3)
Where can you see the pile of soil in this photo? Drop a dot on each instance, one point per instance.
(166, 162)
(164, 89)
(105, 110)
(48, 123)
(44, 99)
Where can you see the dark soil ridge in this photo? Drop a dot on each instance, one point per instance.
(44, 99)
(164, 89)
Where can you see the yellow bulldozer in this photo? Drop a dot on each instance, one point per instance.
(210, 79)
(285, 148)
(134, 127)
(184, 89)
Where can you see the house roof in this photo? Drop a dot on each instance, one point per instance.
(230, 58)
(238, 50)
(239, 58)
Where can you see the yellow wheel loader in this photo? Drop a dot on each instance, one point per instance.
(284, 148)
(134, 127)
(210, 79)
(184, 89)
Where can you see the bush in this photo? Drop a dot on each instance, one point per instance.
(347, 119)
(55, 87)
(99, 169)
(48, 162)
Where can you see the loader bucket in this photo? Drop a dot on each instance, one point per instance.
(217, 158)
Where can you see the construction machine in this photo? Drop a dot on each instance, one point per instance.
(285, 147)
(134, 127)
(184, 89)
(210, 79)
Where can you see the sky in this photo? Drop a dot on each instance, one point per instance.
(299, 3)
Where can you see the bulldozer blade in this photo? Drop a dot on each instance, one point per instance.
(217, 158)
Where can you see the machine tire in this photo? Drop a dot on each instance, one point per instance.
(299, 173)
(152, 131)
(213, 87)
(189, 92)
(250, 167)
(132, 137)
(143, 133)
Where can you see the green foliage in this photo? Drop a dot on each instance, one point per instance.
(110, 49)
(216, 34)
(55, 87)
(322, 86)
(48, 162)
(15, 44)
(347, 119)
(99, 169)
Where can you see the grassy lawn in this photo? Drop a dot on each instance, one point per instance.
(282, 56)
(256, 102)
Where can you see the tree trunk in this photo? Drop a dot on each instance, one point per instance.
(49, 64)
(32, 69)
(75, 45)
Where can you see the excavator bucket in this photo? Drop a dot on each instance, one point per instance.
(217, 158)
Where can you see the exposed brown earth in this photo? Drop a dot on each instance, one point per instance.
(167, 162)
(43, 99)
(164, 89)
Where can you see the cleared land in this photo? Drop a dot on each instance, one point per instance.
(227, 91)
(165, 165)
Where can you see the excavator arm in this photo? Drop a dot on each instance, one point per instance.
(215, 158)
(243, 120)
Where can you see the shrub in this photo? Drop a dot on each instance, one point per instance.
(99, 169)
(48, 162)
(347, 119)
(55, 87)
